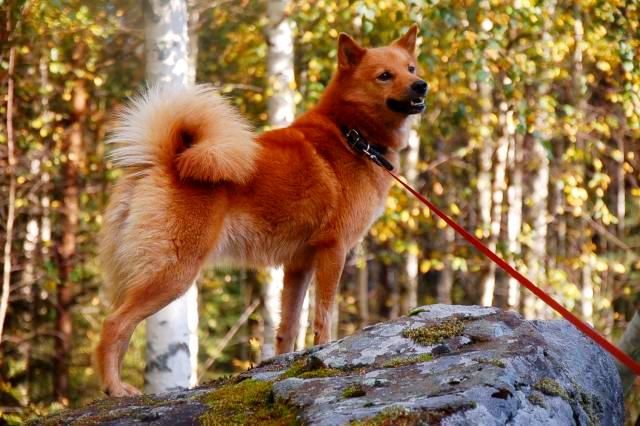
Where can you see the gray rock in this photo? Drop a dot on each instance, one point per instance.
(496, 369)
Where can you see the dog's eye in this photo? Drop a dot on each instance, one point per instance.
(385, 76)
(412, 69)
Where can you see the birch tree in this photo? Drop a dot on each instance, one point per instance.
(487, 148)
(538, 211)
(6, 270)
(514, 215)
(281, 111)
(172, 341)
(412, 156)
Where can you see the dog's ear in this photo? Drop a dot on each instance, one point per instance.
(349, 52)
(408, 41)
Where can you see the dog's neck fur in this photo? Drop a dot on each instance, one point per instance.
(376, 124)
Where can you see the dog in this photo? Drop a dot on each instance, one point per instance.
(198, 185)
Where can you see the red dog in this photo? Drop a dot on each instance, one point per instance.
(198, 185)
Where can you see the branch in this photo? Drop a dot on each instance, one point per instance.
(227, 337)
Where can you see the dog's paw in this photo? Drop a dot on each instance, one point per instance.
(121, 389)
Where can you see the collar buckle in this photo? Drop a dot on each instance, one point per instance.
(360, 145)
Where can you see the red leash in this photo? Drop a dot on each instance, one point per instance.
(579, 324)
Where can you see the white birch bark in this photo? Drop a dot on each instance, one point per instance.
(487, 148)
(271, 294)
(539, 198)
(484, 180)
(172, 333)
(514, 217)
(10, 216)
(586, 302)
(281, 111)
(497, 198)
(301, 340)
(412, 262)
(363, 284)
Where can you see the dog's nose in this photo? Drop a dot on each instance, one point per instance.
(420, 87)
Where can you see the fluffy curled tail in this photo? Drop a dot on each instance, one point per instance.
(191, 132)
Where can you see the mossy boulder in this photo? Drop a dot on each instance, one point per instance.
(450, 365)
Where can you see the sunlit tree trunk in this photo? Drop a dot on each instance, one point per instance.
(497, 198)
(444, 284)
(580, 91)
(484, 180)
(172, 332)
(412, 156)
(72, 148)
(363, 284)
(487, 147)
(301, 340)
(539, 189)
(10, 217)
(281, 110)
(514, 216)
(271, 294)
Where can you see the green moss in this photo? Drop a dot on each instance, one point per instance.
(402, 361)
(434, 334)
(536, 398)
(494, 361)
(249, 402)
(297, 368)
(354, 391)
(321, 372)
(417, 311)
(391, 416)
(550, 387)
(589, 404)
(309, 368)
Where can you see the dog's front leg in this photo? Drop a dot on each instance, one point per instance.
(296, 282)
(329, 265)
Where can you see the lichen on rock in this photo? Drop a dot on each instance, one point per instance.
(435, 333)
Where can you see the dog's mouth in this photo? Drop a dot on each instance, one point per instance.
(414, 105)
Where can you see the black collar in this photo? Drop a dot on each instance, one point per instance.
(360, 145)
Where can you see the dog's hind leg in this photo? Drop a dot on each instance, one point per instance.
(296, 281)
(141, 299)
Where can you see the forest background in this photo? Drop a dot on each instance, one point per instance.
(531, 139)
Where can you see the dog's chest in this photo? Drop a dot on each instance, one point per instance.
(365, 206)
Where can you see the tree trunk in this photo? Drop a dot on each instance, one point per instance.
(271, 295)
(281, 111)
(72, 148)
(363, 284)
(172, 333)
(412, 156)
(487, 147)
(580, 88)
(539, 200)
(487, 283)
(514, 217)
(7, 264)
(280, 71)
(497, 199)
(301, 340)
(444, 284)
